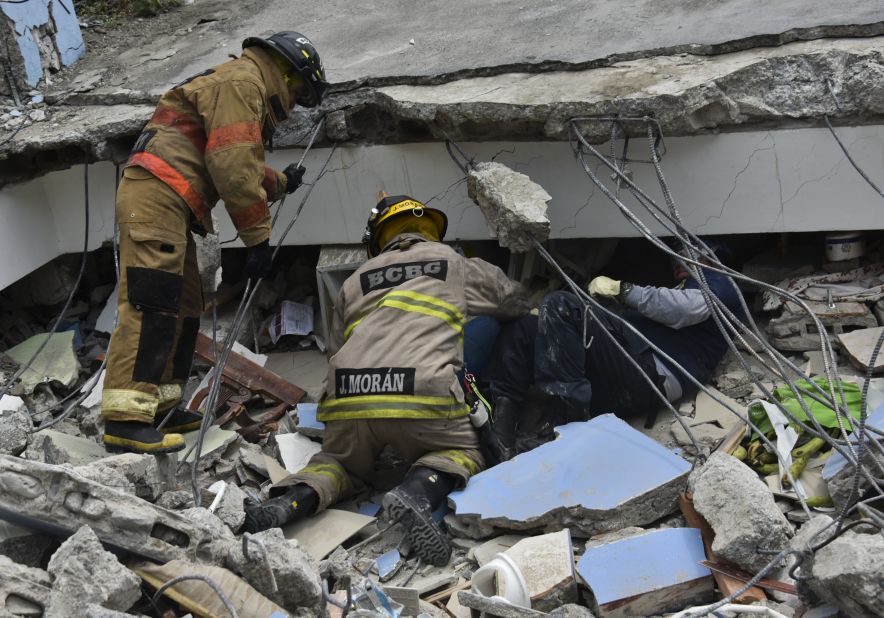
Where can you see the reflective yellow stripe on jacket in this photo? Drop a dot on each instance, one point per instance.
(417, 303)
(390, 406)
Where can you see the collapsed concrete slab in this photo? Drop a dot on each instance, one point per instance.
(58, 501)
(597, 476)
(741, 510)
(689, 94)
(514, 206)
(24, 591)
(84, 573)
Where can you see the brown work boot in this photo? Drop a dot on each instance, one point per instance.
(144, 438)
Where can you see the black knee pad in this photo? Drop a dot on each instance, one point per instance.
(157, 295)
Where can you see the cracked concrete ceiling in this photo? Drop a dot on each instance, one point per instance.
(489, 71)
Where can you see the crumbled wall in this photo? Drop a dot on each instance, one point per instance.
(39, 37)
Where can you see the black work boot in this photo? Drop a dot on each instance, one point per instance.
(412, 504)
(298, 502)
(181, 420)
(132, 437)
(502, 438)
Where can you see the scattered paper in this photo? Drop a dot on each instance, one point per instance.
(293, 319)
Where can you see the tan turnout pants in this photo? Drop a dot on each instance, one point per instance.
(350, 449)
(160, 301)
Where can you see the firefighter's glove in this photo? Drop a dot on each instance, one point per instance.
(259, 259)
(294, 177)
(605, 286)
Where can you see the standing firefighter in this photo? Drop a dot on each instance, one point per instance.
(204, 142)
(395, 351)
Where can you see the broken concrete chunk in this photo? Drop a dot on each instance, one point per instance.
(859, 345)
(547, 564)
(597, 476)
(56, 362)
(741, 510)
(571, 610)
(514, 206)
(15, 425)
(229, 504)
(83, 572)
(176, 500)
(849, 573)
(140, 470)
(97, 611)
(54, 447)
(838, 473)
(216, 442)
(197, 597)
(485, 553)
(495, 606)
(55, 499)
(794, 330)
(707, 435)
(295, 572)
(22, 589)
(649, 573)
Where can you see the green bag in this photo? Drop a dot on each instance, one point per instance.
(823, 413)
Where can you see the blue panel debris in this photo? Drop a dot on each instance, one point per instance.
(597, 465)
(643, 563)
(307, 423)
(33, 16)
(837, 461)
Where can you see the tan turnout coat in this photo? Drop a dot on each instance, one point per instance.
(397, 339)
(205, 141)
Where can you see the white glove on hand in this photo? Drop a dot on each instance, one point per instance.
(604, 286)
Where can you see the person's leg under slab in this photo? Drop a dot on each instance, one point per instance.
(349, 451)
(171, 387)
(153, 237)
(560, 353)
(511, 374)
(446, 454)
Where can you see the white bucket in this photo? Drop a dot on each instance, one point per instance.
(845, 246)
(502, 580)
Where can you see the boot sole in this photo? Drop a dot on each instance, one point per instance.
(427, 539)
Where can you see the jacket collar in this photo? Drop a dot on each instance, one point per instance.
(277, 100)
(404, 241)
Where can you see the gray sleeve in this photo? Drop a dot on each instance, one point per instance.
(672, 307)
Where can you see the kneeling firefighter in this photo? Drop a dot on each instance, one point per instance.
(395, 352)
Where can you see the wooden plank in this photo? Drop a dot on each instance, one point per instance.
(727, 585)
(252, 376)
(443, 595)
(743, 576)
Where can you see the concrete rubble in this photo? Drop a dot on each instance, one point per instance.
(741, 511)
(83, 572)
(848, 573)
(514, 206)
